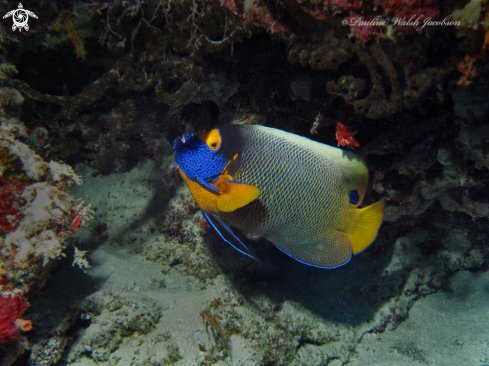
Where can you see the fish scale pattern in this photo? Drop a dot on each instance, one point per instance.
(303, 206)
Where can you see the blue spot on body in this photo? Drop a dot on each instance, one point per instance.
(354, 197)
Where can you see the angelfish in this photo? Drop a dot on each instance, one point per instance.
(301, 195)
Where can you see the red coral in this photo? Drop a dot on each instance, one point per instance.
(230, 4)
(203, 225)
(10, 204)
(485, 45)
(468, 70)
(347, 4)
(76, 223)
(102, 228)
(345, 137)
(260, 15)
(403, 5)
(12, 306)
(411, 10)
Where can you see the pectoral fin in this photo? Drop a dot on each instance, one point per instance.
(227, 234)
(235, 195)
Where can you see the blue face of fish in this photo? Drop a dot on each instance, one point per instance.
(198, 156)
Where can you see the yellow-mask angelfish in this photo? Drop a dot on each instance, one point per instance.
(301, 195)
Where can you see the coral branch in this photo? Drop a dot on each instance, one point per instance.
(466, 67)
(212, 321)
(71, 104)
(376, 104)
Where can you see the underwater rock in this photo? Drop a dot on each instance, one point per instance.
(113, 318)
(218, 87)
(475, 140)
(10, 97)
(470, 102)
(300, 85)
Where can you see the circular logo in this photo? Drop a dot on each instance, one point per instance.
(20, 17)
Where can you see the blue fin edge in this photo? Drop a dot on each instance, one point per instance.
(232, 240)
(233, 181)
(312, 265)
(207, 185)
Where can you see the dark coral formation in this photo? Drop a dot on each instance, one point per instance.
(141, 45)
(377, 104)
(108, 84)
(328, 54)
(155, 56)
(145, 70)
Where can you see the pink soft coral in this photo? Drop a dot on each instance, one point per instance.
(12, 305)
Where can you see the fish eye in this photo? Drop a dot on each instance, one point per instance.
(212, 138)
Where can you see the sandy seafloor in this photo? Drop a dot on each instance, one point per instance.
(136, 307)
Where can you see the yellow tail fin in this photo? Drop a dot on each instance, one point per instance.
(369, 220)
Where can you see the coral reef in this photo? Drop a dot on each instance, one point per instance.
(135, 53)
(115, 82)
(376, 104)
(34, 227)
(50, 352)
(275, 312)
(138, 43)
(328, 54)
(12, 305)
(113, 319)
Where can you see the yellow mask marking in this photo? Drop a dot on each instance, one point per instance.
(212, 138)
